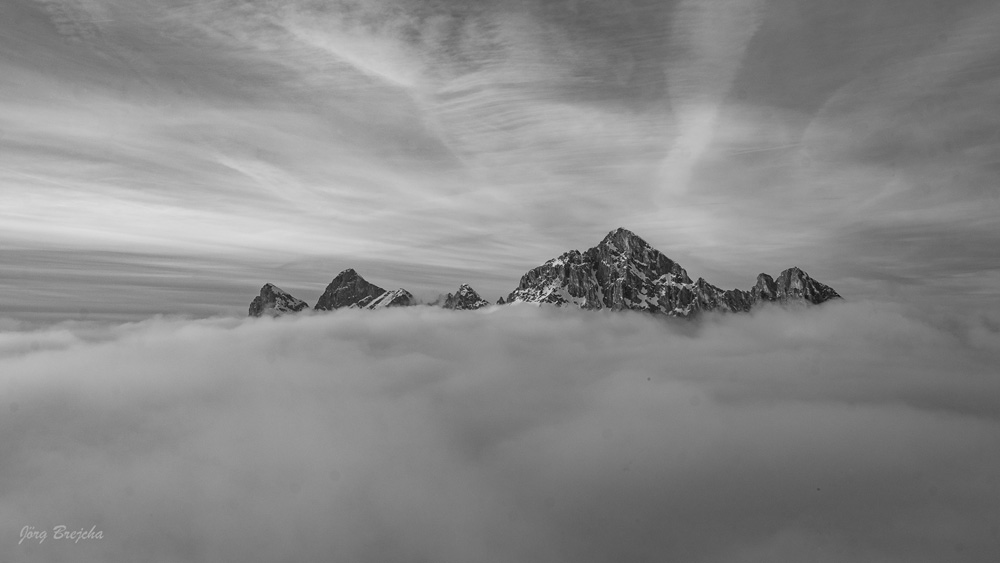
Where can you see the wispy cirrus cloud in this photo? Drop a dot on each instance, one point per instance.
(737, 137)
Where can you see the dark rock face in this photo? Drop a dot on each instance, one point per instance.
(273, 302)
(624, 272)
(765, 289)
(739, 301)
(795, 285)
(466, 299)
(348, 289)
(394, 298)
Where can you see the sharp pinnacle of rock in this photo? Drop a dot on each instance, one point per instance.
(346, 290)
(765, 289)
(465, 299)
(273, 301)
(793, 284)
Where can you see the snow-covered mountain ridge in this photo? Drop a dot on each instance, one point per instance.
(623, 272)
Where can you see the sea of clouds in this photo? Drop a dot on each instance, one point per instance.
(854, 431)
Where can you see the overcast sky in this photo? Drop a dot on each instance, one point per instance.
(172, 156)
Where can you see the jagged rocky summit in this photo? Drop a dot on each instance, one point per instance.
(624, 272)
(273, 301)
(346, 290)
(792, 285)
(465, 299)
(349, 289)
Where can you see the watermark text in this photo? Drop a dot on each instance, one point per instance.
(59, 533)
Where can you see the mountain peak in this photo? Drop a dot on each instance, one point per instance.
(273, 301)
(624, 272)
(347, 289)
(623, 239)
(620, 231)
(795, 284)
(465, 299)
(765, 289)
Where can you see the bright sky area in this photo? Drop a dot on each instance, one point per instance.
(171, 157)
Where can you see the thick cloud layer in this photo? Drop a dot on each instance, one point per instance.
(849, 432)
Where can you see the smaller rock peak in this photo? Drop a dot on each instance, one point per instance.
(792, 286)
(765, 289)
(347, 289)
(793, 276)
(273, 301)
(465, 298)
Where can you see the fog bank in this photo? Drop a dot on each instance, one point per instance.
(848, 432)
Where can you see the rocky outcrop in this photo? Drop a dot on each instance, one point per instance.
(765, 289)
(794, 285)
(394, 298)
(465, 299)
(624, 272)
(273, 301)
(346, 290)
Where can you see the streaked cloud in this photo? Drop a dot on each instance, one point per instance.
(736, 136)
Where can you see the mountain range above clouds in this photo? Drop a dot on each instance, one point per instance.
(623, 272)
